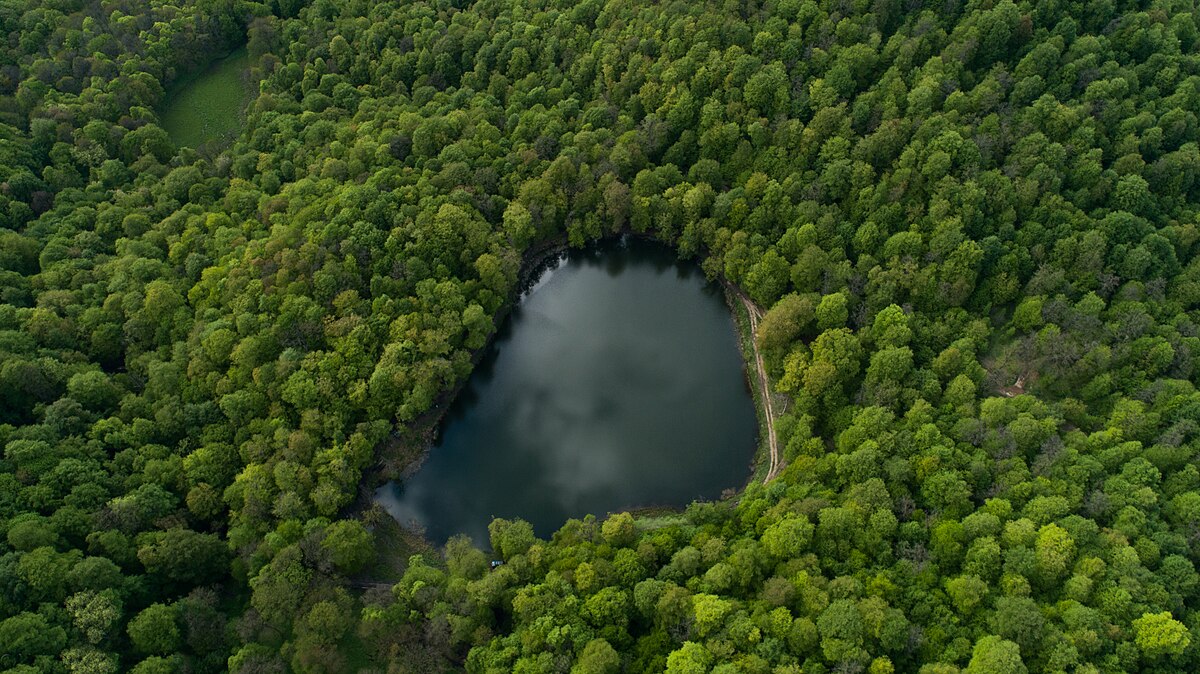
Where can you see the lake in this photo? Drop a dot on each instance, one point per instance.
(209, 106)
(616, 382)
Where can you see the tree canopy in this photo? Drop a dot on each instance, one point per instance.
(973, 228)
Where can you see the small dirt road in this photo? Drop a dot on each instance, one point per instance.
(756, 314)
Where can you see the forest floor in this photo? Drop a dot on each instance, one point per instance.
(755, 314)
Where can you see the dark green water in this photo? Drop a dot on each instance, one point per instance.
(208, 106)
(615, 383)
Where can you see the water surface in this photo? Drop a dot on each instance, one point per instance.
(209, 106)
(615, 383)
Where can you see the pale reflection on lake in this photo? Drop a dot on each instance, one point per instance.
(615, 383)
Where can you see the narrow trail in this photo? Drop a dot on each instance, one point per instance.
(768, 406)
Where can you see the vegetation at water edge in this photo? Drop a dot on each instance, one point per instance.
(973, 226)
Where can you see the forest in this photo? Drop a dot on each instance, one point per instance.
(974, 225)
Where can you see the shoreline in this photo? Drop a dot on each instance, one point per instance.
(405, 450)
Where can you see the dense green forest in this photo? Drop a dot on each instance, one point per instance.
(974, 223)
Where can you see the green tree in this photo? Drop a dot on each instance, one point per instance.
(967, 593)
(510, 538)
(27, 635)
(993, 655)
(619, 530)
(349, 544)
(690, 658)
(788, 538)
(832, 312)
(710, 612)
(768, 90)
(155, 631)
(156, 665)
(1159, 634)
(185, 556)
(597, 657)
(94, 613)
(767, 279)
(89, 660)
(1019, 619)
(784, 322)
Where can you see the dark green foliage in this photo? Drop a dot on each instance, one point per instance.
(973, 227)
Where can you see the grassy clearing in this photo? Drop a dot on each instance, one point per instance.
(652, 522)
(209, 107)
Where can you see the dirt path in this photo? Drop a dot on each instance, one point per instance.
(768, 407)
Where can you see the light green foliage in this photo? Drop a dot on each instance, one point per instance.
(1054, 549)
(94, 614)
(349, 544)
(202, 353)
(787, 538)
(710, 612)
(87, 660)
(1160, 634)
(967, 593)
(510, 538)
(618, 530)
(690, 658)
(832, 312)
(890, 327)
(993, 655)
